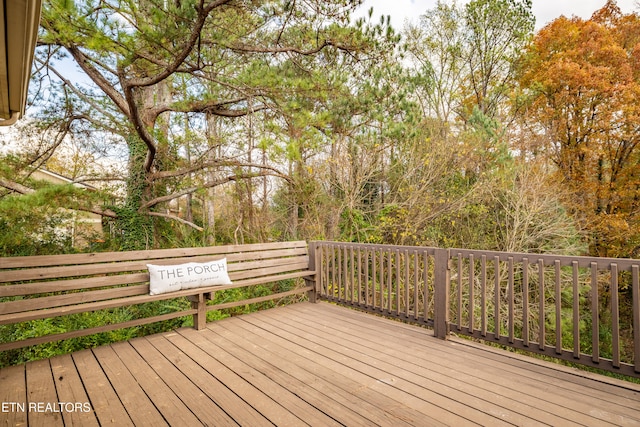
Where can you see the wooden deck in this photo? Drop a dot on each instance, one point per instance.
(307, 364)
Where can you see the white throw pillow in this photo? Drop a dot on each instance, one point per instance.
(171, 278)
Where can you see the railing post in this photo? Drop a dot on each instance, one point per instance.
(441, 294)
(312, 279)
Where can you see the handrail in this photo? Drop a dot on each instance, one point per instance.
(565, 307)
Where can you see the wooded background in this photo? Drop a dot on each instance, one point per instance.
(242, 121)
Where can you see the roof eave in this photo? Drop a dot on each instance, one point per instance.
(19, 22)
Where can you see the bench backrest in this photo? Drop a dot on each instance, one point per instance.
(40, 287)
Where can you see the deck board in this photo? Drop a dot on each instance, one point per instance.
(224, 399)
(312, 364)
(12, 396)
(334, 386)
(346, 358)
(129, 392)
(495, 379)
(274, 390)
(41, 390)
(246, 391)
(102, 394)
(472, 397)
(70, 390)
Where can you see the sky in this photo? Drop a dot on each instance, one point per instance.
(545, 11)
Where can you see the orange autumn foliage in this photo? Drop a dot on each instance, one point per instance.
(581, 91)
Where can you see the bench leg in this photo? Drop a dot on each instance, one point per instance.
(200, 317)
(313, 293)
(312, 280)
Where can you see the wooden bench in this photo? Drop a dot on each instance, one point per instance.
(42, 287)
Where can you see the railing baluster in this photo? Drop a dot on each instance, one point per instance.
(397, 287)
(511, 292)
(373, 277)
(335, 285)
(576, 311)
(367, 299)
(330, 270)
(338, 267)
(558, 302)
(353, 277)
(343, 274)
(359, 276)
(416, 283)
(595, 315)
(635, 282)
(525, 302)
(483, 294)
(459, 281)
(345, 263)
(386, 283)
(471, 293)
(496, 297)
(340, 273)
(325, 262)
(380, 264)
(407, 285)
(389, 280)
(348, 274)
(320, 269)
(328, 255)
(381, 280)
(541, 307)
(426, 295)
(615, 317)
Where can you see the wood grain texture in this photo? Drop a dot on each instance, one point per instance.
(317, 364)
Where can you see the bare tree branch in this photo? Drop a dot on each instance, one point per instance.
(217, 163)
(89, 100)
(193, 189)
(286, 49)
(14, 186)
(99, 79)
(176, 218)
(211, 107)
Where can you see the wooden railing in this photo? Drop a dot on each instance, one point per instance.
(580, 309)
